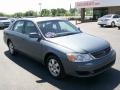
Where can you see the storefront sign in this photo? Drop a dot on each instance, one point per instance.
(85, 4)
(96, 3)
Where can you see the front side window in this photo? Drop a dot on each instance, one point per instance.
(116, 16)
(56, 28)
(30, 28)
(18, 27)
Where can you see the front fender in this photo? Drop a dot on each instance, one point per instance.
(58, 50)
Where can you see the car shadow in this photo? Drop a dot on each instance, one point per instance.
(107, 27)
(106, 81)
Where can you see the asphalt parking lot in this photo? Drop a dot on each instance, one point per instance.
(22, 73)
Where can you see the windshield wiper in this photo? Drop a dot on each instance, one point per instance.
(65, 34)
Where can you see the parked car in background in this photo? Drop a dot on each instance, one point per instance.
(108, 20)
(60, 46)
(118, 23)
(4, 22)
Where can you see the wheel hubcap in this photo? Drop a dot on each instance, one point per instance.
(54, 67)
(11, 48)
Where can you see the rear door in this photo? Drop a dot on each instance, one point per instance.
(16, 34)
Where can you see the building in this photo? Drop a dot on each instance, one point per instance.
(100, 7)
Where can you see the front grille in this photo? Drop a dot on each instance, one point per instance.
(101, 53)
(6, 23)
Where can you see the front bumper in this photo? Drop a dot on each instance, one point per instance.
(2, 25)
(92, 68)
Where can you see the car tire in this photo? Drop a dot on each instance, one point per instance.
(113, 24)
(11, 48)
(118, 28)
(55, 67)
(101, 25)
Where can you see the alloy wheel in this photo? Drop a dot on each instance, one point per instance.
(54, 67)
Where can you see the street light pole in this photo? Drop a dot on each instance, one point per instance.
(40, 4)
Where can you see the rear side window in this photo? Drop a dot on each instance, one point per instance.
(18, 27)
(30, 28)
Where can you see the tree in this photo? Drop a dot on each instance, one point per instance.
(67, 13)
(53, 12)
(45, 12)
(72, 11)
(61, 12)
(2, 14)
(19, 14)
(58, 12)
(30, 13)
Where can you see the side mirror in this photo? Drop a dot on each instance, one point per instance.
(79, 29)
(35, 35)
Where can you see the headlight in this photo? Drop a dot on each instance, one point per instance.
(77, 57)
(118, 20)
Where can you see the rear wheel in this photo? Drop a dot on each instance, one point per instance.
(11, 48)
(55, 67)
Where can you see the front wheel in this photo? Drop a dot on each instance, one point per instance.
(119, 28)
(55, 67)
(101, 25)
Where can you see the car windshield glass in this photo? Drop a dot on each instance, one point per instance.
(57, 28)
(107, 16)
(3, 18)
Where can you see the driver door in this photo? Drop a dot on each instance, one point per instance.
(32, 46)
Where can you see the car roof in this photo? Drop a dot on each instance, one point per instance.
(112, 14)
(40, 19)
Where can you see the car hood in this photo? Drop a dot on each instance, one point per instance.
(4, 21)
(82, 42)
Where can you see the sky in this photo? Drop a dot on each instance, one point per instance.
(12, 6)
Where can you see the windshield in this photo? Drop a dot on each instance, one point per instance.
(107, 16)
(57, 28)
